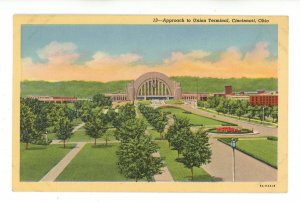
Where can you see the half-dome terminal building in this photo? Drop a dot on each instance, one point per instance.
(153, 85)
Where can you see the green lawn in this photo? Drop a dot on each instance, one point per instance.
(260, 148)
(268, 121)
(194, 119)
(154, 134)
(177, 169)
(93, 163)
(38, 160)
(145, 102)
(79, 136)
(174, 102)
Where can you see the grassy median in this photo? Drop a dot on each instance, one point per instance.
(93, 163)
(38, 160)
(262, 149)
(195, 119)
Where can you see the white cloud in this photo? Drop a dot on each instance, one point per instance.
(259, 53)
(61, 64)
(103, 59)
(192, 55)
(57, 52)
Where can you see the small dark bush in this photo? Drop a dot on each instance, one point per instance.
(228, 124)
(272, 138)
(197, 124)
(244, 130)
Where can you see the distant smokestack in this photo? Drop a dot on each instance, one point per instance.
(228, 90)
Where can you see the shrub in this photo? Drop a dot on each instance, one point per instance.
(229, 124)
(272, 138)
(245, 130)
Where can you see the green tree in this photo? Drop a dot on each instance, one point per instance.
(96, 126)
(261, 113)
(42, 122)
(160, 124)
(70, 113)
(179, 139)
(220, 107)
(177, 133)
(136, 160)
(107, 135)
(239, 112)
(101, 100)
(125, 113)
(64, 129)
(250, 112)
(131, 129)
(197, 151)
(55, 114)
(27, 125)
(171, 131)
(274, 113)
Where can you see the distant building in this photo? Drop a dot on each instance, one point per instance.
(115, 97)
(53, 99)
(264, 99)
(238, 97)
(261, 92)
(155, 85)
(195, 96)
(228, 90)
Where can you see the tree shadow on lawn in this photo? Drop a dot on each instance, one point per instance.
(217, 179)
(67, 147)
(198, 178)
(35, 148)
(180, 159)
(103, 146)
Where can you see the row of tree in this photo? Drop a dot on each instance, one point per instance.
(194, 147)
(37, 117)
(135, 153)
(155, 117)
(240, 108)
(135, 159)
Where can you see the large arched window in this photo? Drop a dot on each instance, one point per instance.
(154, 87)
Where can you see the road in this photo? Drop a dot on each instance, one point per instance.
(262, 129)
(247, 169)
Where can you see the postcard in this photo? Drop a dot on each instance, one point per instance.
(150, 103)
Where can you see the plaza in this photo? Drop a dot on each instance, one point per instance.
(157, 90)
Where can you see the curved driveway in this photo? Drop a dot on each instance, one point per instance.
(247, 168)
(262, 129)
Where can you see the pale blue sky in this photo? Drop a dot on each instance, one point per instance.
(152, 42)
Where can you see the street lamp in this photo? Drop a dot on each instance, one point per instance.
(46, 136)
(233, 146)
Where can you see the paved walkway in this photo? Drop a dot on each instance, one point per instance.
(78, 127)
(56, 170)
(73, 131)
(247, 169)
(165, 176)
(262, 129)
